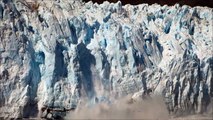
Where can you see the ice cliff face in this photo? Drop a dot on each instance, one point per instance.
(58, 53)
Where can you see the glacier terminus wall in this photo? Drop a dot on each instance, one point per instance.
(56, 53)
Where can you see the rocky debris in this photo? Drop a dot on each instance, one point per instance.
(66, 51)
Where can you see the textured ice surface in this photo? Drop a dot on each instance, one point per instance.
(66, 52)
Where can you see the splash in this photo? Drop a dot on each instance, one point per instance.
(123, 108)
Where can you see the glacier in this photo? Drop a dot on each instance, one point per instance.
(63, 52)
